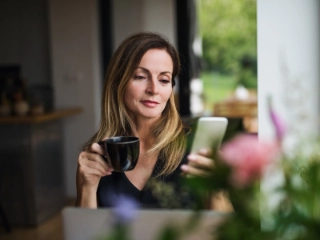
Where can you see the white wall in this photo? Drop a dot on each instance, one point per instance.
(76, 70)
(134, 16)
(288, 65)
(288, 70)
(143, 15)
(160, 16)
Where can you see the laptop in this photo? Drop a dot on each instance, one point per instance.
(92, 224)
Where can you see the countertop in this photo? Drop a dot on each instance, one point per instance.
(47, 116)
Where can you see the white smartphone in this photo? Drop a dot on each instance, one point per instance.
(209, 133)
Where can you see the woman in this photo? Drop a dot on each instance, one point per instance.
(138, 100)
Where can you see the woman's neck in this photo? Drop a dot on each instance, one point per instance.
(144, 132)
(145, 136)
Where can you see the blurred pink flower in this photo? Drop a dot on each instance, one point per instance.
(247, 157)
(278, 123)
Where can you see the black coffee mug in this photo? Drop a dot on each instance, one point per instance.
(121, 152)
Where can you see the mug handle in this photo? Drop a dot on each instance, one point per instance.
(101, 143)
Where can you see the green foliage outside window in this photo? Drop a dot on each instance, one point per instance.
(229, 36)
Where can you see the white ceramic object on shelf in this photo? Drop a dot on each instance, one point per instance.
(21, 108)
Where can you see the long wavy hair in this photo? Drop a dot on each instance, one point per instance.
(168, 131)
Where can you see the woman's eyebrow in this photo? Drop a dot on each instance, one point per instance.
(146, 70)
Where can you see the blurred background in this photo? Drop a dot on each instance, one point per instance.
(53, 57)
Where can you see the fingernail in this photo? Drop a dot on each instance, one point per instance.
(184, 167)
(203, 151)
(192, 157)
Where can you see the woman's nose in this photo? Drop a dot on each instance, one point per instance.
(152, 87)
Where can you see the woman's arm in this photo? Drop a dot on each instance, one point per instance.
(220, 202)
(91, 167)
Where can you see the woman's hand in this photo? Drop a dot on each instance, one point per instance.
(91, 167)
(199, 164)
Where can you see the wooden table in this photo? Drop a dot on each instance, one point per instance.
(246, 110)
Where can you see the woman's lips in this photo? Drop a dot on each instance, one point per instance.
(149, 103)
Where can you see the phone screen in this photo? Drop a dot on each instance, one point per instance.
(209, 133)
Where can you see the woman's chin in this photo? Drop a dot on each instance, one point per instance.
(150, 116)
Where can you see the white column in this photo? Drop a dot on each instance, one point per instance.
(288, 70)
(288, 65)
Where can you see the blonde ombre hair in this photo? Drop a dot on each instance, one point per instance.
(168, 131)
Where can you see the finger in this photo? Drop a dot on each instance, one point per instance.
(206, 152)
(102, 141)
(99, 166)
(87, 171)
(200, 161)
(87, 167)
(94, 159)
(96, 148)
(187, 169)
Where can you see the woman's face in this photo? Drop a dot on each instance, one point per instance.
(150, 86)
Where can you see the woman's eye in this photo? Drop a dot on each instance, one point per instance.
(165, 81)
(139, 77)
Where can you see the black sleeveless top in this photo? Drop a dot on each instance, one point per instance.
(159, 192)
